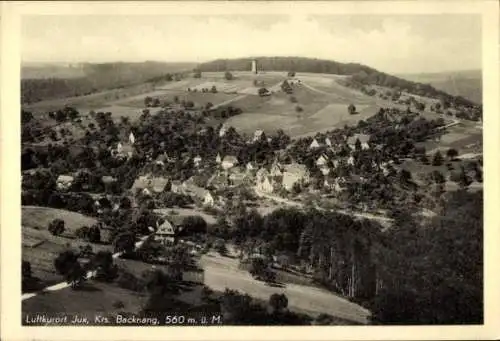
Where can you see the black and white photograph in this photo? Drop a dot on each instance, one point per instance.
(251, 168)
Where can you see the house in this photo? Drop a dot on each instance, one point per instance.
(295, 173)
(314, 144)
(350, 160)
(328, 142)
(258, 135)
(218, 159)
(223, 131)
(325, 170)
(265, 184)
(218, 180)
(124, 150)
(149, 184)
(335, 163)
(201, 194)
(363, 138)
(229, 162)
(322, 160)
(237, 179)
(176, 186)
(131, 138)
(197, 160)
(64, 182)
(261, 174)
(208, 199)
(276, 170)
(107, 179)
(166, 233)
(250, 167)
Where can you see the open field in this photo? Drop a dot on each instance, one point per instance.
(320, 111)
(223, 272)
(198, 98)
(40, 247)
(34, 216)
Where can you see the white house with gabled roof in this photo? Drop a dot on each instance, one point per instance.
(314, 144)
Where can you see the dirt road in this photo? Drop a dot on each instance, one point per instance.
(223, 272)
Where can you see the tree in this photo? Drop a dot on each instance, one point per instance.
(293, 99)
(194, 225)
(106, 270)
(56, 227)
(197, 73)
(257, 266)
(440, 262)
(26, 116)
(124, 242)
(351, 109)
(278, 302)
(228, 75)
(148, 100)
(156, 102)
(452, 153)
(262, 91)
(437, 160)
(214, 89)
(65, 261)
(298, 108)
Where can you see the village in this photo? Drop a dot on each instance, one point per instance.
(181, 194)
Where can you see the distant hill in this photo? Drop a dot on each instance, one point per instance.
(49, 81)
(361, 75)
(467, 83)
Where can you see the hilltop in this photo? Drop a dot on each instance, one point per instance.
(360, 75)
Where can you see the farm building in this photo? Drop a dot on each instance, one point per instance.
(363, 138)
(64, 182)
(229, 162)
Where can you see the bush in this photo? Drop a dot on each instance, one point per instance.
(56, 227)
(228, 75)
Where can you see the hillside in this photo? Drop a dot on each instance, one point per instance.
(361, 75)
(467, 84)
(43, 82)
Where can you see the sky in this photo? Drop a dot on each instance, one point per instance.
(395, 43)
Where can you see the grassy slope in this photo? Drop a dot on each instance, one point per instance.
(35, 221)
(467, 84)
